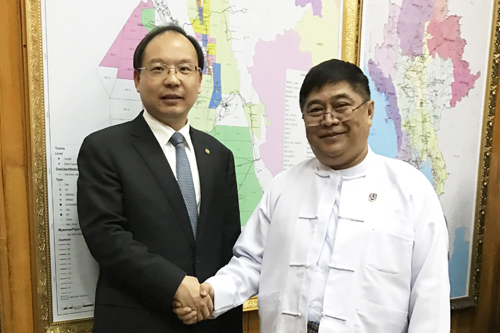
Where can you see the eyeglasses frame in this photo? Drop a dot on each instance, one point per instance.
(174, 67)
(335, 117)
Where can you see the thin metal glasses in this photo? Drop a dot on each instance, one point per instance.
(161, 71)
(315, 115)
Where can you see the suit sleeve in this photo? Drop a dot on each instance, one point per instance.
(100, 213)
(429, 309)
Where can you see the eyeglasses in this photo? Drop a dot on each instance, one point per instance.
(317, 114)
(161, 71)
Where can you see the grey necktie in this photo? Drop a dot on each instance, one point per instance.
(185, 180)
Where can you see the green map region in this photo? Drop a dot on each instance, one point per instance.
(238, 140)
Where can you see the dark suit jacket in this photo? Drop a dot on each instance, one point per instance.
(136, 226)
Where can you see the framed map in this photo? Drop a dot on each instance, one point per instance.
(80, 80)
(433, 70)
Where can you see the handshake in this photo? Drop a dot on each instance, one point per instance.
(193, 302)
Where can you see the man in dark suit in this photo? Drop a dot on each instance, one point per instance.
(158, 214)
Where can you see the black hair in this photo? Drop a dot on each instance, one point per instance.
(331, 72)
(139, 50)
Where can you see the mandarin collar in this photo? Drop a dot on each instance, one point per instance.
(356, 171)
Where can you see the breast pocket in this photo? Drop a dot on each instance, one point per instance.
(374, 318)
(390, 250)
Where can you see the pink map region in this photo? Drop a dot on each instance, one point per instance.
(200, 38)
(121, 53)
(464, 81)
(447, 43)
(446, 40)
(440, 10)
(271, 61)
(316, 5)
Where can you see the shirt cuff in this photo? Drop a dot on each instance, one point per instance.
(224, 294)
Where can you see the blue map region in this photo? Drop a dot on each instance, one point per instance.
(204, 39)
(217, 93)
(200, 13)
(427, 171)
(459, 263)
(382, 139)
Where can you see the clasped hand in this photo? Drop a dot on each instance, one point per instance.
(193, 302)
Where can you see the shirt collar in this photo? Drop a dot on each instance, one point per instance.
(163, 132)
(353, 172)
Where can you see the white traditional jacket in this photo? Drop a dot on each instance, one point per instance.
(389, 268)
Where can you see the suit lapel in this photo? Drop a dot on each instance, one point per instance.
(147, 146)
(205, 170)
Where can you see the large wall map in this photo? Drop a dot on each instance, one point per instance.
(257, 53)
(427, 61)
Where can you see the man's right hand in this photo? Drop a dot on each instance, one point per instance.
(189, 295)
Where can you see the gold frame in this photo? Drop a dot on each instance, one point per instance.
(41, 241)
(351, 30)
(484, 164)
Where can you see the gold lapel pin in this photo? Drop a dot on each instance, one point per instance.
(372, 197)
(207, 151)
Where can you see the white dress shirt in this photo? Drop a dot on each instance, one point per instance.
(322, 268)
(163, 133)
(388, 271)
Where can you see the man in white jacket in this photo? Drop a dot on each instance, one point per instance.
(349, 241)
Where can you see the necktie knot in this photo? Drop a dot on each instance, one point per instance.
(177, 138)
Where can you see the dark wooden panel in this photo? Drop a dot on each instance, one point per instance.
(252, 318)
(15, 269)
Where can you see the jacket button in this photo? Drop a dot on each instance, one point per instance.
(197, 260)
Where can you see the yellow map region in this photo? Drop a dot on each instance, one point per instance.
(412, 91)
(220, 97)
(214, 24)
(325, 45)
